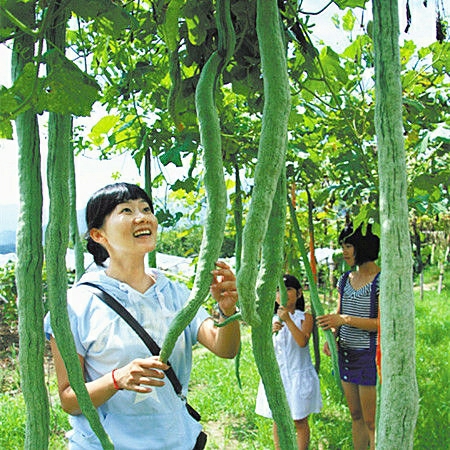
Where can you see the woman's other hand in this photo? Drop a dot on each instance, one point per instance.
(329, 321)
(140, 374)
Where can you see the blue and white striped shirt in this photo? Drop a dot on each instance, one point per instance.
(356, 302)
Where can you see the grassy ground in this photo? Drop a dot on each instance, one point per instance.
(228, 411)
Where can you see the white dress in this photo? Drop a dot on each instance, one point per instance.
(300, 379)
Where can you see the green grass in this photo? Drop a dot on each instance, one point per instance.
(228, 411)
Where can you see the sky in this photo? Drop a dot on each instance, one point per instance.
(92, 174)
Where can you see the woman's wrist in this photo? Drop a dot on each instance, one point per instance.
(226, 314)
(115, 383)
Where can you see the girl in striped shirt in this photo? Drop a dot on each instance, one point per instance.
(355, 325)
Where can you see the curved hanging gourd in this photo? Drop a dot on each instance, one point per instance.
(213, 177)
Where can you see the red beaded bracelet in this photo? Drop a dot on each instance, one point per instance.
(116, 386)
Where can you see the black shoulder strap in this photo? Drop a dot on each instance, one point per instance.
(342, 286)
(136, 326)
(373, 297)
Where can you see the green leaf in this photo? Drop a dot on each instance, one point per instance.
(355, 49)
(6, 129)
(172, 156)
(196, 33)
(407, 51)
(23, 88)
(170, 25)
(348, 20)
(66, 89)
(342, 4)
(332, 65)
(103, 126)
(188, 185)
(111, 17)
(166, 218)
(8, 101)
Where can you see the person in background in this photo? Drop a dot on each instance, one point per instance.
(291, 330)
(136, 403)
(355, 325)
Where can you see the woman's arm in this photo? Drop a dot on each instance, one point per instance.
(326, 348)
(135, 376)
(329, 321)
(222, 341)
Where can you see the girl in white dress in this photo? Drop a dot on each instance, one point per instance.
(291, 329)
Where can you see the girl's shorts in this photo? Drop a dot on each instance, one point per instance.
(358, 366)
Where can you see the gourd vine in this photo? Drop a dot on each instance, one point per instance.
(213, 179)
(264, 230)
(270, 276)
(30, 258)
(175, 87)
(271, 152)
(56, 242)
(312, 258)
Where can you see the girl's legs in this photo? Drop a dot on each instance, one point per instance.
(276, 441)
(368, 399)
(302, 428)
(359, 430)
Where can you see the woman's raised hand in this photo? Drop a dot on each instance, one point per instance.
(223, 288)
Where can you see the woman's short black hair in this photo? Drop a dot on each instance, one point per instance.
(291, 281)
(367, 246)
(101, 204)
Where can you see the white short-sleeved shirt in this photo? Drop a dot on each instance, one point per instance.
(158, 420)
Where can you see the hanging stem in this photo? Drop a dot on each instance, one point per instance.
(318, 308)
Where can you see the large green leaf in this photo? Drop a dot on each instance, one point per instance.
(332, 65)
(66, 89)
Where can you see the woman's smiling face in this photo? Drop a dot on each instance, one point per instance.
(131, 227)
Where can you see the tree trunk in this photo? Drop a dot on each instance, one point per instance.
(398, 402)
(30, 257)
